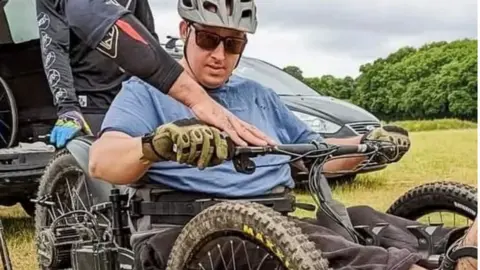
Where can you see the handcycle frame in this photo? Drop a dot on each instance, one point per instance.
(114, 252)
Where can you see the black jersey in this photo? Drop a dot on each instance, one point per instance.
(80, 77)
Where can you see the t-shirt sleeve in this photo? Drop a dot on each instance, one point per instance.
(132, 111)
(290, 128)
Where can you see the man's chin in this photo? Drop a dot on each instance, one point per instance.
(214, 82)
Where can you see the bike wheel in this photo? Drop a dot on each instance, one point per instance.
(264, 240)
(8, 116)
(456, 198)
(60, 185)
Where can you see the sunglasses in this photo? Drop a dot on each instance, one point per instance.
(210, 41)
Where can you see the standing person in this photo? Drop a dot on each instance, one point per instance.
(89, 47)
(83, 81)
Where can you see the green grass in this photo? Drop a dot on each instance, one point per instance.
(435, 155)
(438, 124)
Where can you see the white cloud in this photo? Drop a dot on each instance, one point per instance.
(325, 37)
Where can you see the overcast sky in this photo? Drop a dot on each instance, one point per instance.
(337, 36)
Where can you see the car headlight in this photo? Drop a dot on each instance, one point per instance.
(318, 124)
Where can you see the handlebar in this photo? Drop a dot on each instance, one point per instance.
(241, 154)
(303, 149)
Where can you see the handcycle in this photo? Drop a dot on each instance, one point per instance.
(92, 230)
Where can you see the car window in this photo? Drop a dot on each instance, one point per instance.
(21, 19)
(272, 77)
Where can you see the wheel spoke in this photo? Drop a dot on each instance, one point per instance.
(5, 124)
(221, 256)
(262, 261)
(246, 255)
(233, 255)
(3, 139)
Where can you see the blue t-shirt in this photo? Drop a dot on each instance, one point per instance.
(139, 108)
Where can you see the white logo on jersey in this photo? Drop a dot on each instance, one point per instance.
(43, 21)
(60, 95)
(50, 59)
(45, 40)
(53, 77)
(82, 100)
(109, 44)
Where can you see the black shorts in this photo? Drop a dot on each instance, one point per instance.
(94, 121)
(397, 251)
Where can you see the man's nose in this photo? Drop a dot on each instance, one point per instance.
(219, 52)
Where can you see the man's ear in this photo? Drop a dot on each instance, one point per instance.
(183, 29)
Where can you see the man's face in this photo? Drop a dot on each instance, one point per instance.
(212, 65)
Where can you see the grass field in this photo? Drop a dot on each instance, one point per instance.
(435, 155)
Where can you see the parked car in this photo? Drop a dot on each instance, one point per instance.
(329, 116)
(26, 105)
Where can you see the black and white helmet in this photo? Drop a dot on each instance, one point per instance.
(242, 15)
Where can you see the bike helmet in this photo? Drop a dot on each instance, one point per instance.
(242, 15)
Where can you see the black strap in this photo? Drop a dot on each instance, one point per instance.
(139, 208)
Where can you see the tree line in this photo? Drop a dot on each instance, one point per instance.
(437, 80)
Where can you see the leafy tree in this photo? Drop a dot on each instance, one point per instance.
(436, 80)
(294, 71)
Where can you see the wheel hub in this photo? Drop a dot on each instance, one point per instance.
(46, 248)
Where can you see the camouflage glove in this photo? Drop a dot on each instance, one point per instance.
(391, 134)
(186, 141)
(67, 127)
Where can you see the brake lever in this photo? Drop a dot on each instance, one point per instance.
(243, 164)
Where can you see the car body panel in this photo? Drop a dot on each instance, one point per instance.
(18, 21)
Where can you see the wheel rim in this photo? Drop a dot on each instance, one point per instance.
(231, 250)
(446, 217)
(8, 116)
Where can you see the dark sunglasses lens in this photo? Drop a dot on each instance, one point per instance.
(207, 41)
(234, 45)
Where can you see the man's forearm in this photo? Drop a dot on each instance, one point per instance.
(115, 158)
(54, 45)
(158, 68)
(343, 164)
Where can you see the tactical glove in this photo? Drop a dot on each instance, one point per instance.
(395, 135)
(67, 127)
(187, 141)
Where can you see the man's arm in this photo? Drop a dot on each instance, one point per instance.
(55, 43)
(115, 156)
(293, 130)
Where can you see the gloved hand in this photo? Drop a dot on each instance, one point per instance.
(392, 134)
(67, 127)
(187, 141)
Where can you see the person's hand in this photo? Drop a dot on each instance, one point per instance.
(191, 94)
(67, 127)
(390, 134)
(187, 141)
(239, 131)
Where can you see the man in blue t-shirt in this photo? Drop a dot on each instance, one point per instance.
(146, 132)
